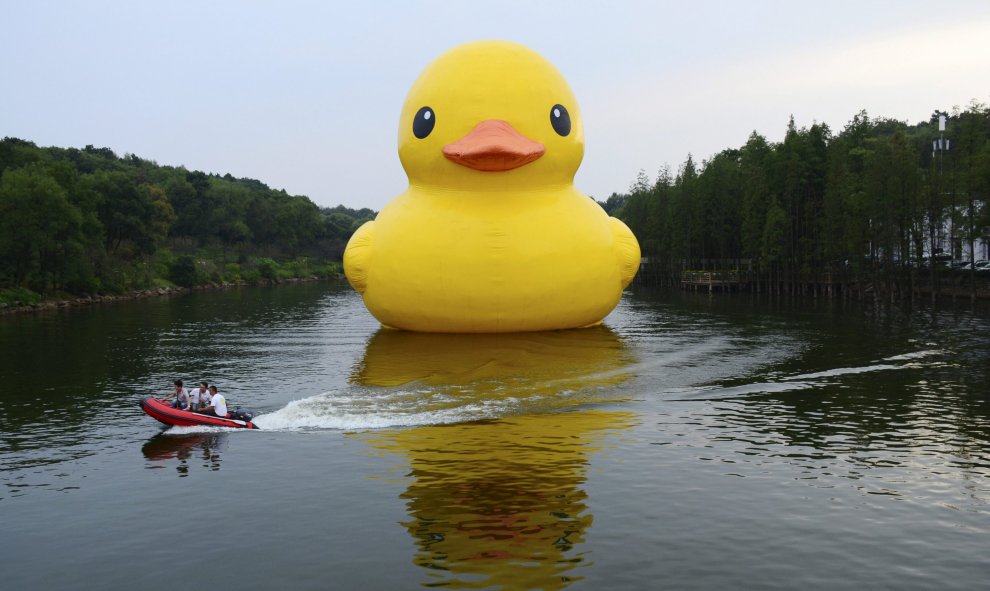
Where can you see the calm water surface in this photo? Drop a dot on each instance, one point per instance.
(689, 443)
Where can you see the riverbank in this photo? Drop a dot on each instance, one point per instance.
(948, 284)
(167, 291)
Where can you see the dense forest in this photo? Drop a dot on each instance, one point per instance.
(863, 209)
(76, 222)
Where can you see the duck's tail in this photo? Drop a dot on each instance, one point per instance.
(356, 257)
(626, 250)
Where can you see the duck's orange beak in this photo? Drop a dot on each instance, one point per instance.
(493, 146)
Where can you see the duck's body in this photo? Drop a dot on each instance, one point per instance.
(491, 235)
(524, 262)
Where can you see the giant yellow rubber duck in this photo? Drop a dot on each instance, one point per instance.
(491, 236)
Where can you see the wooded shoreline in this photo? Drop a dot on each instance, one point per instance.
(171, 291)
(86, 223)
(910, 286)
(877, 210)
(872, 212)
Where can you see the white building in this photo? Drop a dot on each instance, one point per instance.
(952, 240)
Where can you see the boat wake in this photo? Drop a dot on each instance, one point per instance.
(787, 383)
(490, 392)
(411, 379)
(362, 408)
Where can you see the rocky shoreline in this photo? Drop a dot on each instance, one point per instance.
(89, 300)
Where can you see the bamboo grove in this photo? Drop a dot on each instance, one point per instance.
(861, 210)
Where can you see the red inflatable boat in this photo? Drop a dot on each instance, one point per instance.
(163, 411)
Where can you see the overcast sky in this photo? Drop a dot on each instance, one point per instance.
(305, 96)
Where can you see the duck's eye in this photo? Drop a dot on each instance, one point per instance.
(424, 121)
(560, 119)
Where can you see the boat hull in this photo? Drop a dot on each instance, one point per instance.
(164, 413)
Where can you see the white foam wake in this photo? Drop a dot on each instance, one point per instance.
(816, 379)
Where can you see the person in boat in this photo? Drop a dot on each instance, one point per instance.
(199, 398)
(218, 404)
(181, 397)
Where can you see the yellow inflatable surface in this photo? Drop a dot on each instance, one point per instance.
(502, 504)
(491, 235)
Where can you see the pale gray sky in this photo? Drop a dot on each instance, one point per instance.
(305, 96)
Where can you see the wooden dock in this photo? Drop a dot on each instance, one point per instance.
(714, 280)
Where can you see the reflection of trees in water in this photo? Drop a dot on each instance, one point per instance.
(876, 390)
(879, 412)
(501, 503)
(882, 432)
(208, 447)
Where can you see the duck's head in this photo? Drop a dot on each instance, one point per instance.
(490, 115)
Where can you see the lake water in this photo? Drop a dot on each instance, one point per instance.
(689, 443)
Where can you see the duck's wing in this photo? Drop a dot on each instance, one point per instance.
(626, 251)
(357, 256)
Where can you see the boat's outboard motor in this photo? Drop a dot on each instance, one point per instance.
(242, 414)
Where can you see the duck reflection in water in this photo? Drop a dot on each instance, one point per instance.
(501, 502)
(163, 448)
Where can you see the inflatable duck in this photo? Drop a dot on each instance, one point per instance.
(491, 236)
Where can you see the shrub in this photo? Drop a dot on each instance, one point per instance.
(252, 276)
(83, 285)
(232, 272)
(268, 269)
(161, 263)
(207, 270)
(18, 296)
(183, 271)
(328, 269)
(298, 267)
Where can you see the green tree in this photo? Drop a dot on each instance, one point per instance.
(40, 231)
(125, 211)
(755, 163)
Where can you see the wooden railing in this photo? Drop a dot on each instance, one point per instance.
(724, 279)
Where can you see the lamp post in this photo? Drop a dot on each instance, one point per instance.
(942, 146)
(935, 209)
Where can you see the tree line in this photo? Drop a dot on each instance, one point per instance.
(86, 221)
(864, 208)
(872, 206)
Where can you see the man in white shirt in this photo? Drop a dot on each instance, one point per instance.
(200, 397)
(218, 404)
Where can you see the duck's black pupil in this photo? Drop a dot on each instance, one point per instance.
(423, 122)
(560, 119)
